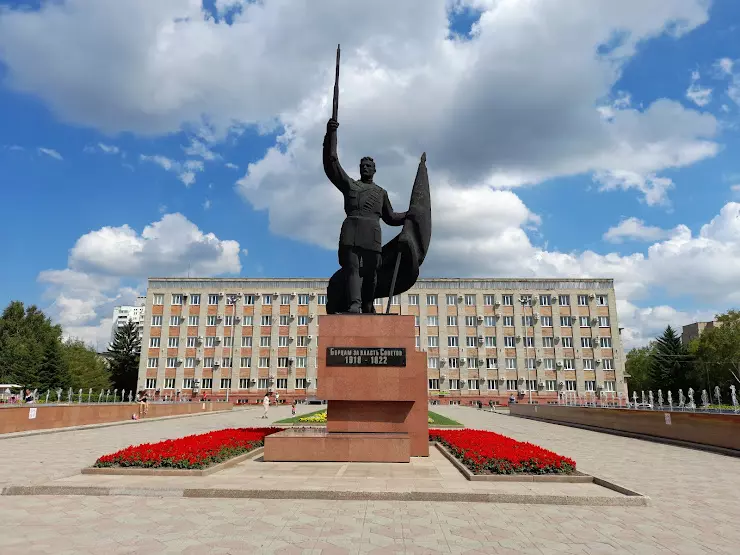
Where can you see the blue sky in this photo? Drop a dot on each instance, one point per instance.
(105, 116)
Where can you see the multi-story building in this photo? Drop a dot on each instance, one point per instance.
(485, 339)
(123, 314)
(694, 330)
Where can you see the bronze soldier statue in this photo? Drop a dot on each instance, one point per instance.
(360, 243)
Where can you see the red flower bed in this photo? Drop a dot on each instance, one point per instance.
(490, 453)
(196, 451)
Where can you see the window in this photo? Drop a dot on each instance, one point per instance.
(213, 299)
(547, 342)
(452, 320)
(489, 300)
(152, 362)
(569, 364)
(451, 300)
(300, 383)
(225, 383)
(212, 320)
(491, 363)
(473, 384)
(608, 363)
(266, 320)
(603, 321)
(158, 299)
(284, 320)
(567, 342)
(321, 300)
(266, 299)
(492, 384)
(395, 300)
(300, 362)
(565, 321)
(586, 342)
(546, 321)
(550, 385)
(530, 363)
(602, 300)
(490, 341)
(470, 321)
(156, 320)
(243, 383)
(284, 299)
(282, 383)
(249, 299)
(228, 341)
(246, 341)
(472, 363)
(606, 342)
(263, 383)
(228, 320)
(151, 383)
(248, 320)
(549, 363)
(283, 362)
(527, 321)
(582, 300)
(564, 300)
(545, 300)
(190, 362)
(432, 362)
(509, 341)
(303, 300)
(530, 385)
(511, 385)
(511, 364)
(176, 299)
(453, 362)
(434, 384)
(470, 301)
(207, 383)
(245, 362)
(432, 320)
(173, 342)
(584, 321)
(590, 385)
(154, 341)
(529, 341)
(507, 300)
(432, 341)
(431, 300)
(413, 300)
(283, 341)
(509, 321)
(187, 383)
(210, 341)
(454, 384)
(570, 385)
(264, 362)
(232, 299)
(417, 342)
(265, 341)
(526, 300)
(416, 320)
(471, 341)
(193, 320)
(453, 341)
(303, 320)
(489, 321)
(610, 386)
(302, 341)
(208, 362)
(378, 302)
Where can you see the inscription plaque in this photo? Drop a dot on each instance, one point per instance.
(366, 356)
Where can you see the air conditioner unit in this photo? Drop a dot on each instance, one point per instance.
(518, 337)
(535, 317)
(460, 298)
(598, 361)
(520, 380)
(216, 363)
(180, 361)
(311, 316)
(312, 295)
(462, 361)
(221, 294)
(291, 339)
(539, 361)
(594, 321)
(309, 337)
(481, 362)
(559, 364)
(592, 296)
(276, 295)
(481, 339)
(291, 360)
(561, 384)
(556, 339)
(293, 294)
(257, 296)
(534, 300)
(480, 319)
(553, 300)
(237, 318)
(292, 316)
(501, 379)
(197, 361)
(442, 363)
(219, 318)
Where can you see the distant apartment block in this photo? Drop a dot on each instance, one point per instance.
(692, 331)
(124, 314)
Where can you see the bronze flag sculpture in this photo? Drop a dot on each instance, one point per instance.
(369, 271)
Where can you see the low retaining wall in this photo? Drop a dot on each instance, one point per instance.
(700, 429)
(42, 417)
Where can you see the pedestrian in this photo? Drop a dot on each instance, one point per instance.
(265, 404)
(29, 396)
(143, 403)
(277, 398)
(293, 406)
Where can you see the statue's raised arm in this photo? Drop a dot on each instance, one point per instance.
(332, 167)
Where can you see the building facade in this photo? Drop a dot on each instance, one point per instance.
(692, 331)
(485, 339)
(123, 314)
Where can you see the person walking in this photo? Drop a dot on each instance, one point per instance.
(293, 406)
(266, 405)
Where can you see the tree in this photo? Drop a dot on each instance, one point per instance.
(53, 372)
(87, 369)
(671, 365)
(123, 355)
(717, 351)
(637, 366)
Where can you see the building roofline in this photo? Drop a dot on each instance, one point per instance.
(429, 279)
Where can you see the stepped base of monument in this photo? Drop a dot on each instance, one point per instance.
(318, 445)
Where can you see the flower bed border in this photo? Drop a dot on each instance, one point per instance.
(139, 471)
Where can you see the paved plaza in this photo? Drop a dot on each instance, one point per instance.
(693, 509)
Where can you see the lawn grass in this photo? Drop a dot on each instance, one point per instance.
(436, 419)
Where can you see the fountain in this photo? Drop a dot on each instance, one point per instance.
(681, 399)
(660, 398)
(692, 405)
(643, 397)
(79, 396)
(59, 395)
(670, 400)
(718, 396)
(734, 398)
(123, 395)
(115, 393)
(70, 393)
(100, 397)
(634, 399)
(130, 396)
(107, 394)
(650, 398)
(46, 402)
(704, 399)
(89, 395)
